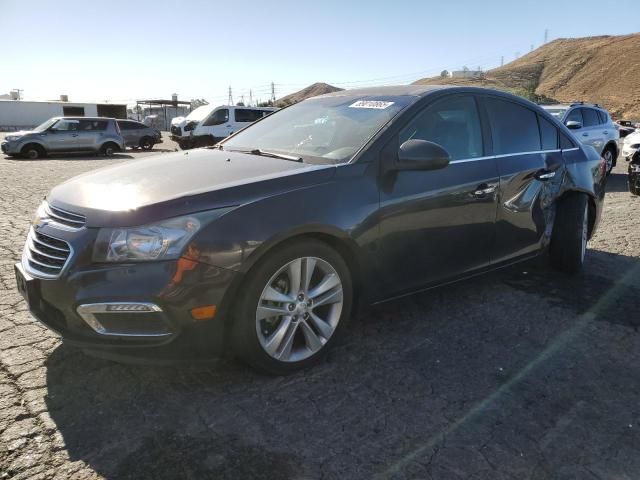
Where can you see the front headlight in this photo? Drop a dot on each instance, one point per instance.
(11, 138)
(164, 240)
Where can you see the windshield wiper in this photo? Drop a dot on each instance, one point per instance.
(266, 153)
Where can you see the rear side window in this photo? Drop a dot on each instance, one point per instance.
(565, 142)
(248, 115)
(590, 116)
(217, 118)
(548, 134)
(453, 123)
(124, 125)
(514, 128)
(603, 117)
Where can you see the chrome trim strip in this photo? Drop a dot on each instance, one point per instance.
(57, 216)
(35, 239)
(81, 218)
(87, 312)
(504, 155)
(26, 258)
(48, 255)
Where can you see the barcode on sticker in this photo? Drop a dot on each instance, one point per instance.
(371, 104)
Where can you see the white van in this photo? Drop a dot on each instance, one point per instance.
(182, 127)
(220, 123)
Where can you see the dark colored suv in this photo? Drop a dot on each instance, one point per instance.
(263, 244)
(139, 135)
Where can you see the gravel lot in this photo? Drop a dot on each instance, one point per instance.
(523, 373)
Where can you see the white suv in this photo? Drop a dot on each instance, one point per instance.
(592, 125)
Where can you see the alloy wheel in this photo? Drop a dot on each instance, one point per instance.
(608, 158)
(299, 309)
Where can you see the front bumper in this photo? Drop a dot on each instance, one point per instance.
(68, 304)
(10, 148)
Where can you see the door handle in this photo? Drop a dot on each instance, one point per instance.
(74, 135)
(545, 174)
(484, 189)
(605, 132)
(585, 134)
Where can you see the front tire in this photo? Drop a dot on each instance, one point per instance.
(608, 155)
(570, 233)
(294, 304)
(634, 185)
(32, 152)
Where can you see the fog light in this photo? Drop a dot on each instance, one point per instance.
(204, 313)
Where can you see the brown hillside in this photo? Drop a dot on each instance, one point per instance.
(604, 70)
(308, 92)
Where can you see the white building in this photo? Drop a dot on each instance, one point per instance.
(23, 114)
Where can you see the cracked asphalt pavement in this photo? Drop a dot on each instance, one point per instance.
(520, 374)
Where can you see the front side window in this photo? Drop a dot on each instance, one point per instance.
(322, 129)
(514, 128)
(217, 118)
(590, 117)
(575, 115)
(452, 123)
(66, 125)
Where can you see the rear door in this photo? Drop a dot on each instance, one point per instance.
(439, 224)
(530, 164)
(128, 131)
(90, 134)
(593, 130)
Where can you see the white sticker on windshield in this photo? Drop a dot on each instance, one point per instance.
(371, 104)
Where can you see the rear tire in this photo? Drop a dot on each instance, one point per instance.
(109, 149)
(570, 233)
(32, 152)
(146, 143)
(306, 319)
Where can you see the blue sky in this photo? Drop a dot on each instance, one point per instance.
(123, 50)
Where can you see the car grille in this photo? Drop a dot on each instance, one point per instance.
(44, 255)
(63, 217)
(176, 130)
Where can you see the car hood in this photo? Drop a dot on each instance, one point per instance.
(164, 186)
(21, 133)
(632, 137)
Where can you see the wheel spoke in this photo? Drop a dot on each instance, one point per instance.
(332, 296)
(265, 311)
(273, 295)
(330, 281)
(313, 341)
(287, 342)
(275, 340)
(309, 268)
(295, 276)
(325, 329)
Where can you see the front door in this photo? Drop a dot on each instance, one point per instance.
(62, 136)
(439, 224)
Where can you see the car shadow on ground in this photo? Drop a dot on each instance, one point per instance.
(70, 156)
(513, 370)
(617, 182)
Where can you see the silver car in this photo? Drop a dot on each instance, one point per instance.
(592, 125)
(66, 135)
(137, 134)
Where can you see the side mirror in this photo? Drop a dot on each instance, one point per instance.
(421, 155)
(573, 125)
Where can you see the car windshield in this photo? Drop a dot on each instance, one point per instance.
(556, 112)
(320, 130)
(44, 126)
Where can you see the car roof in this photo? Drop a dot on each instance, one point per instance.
(84, 118)
(392, 90)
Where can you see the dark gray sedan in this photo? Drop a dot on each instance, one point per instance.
(139, 135)
(261, 245)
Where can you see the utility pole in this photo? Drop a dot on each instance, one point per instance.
(546, 35)
(273, 93)
(230, 96)
(250, 98)
(531, 49)
(502, 61)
